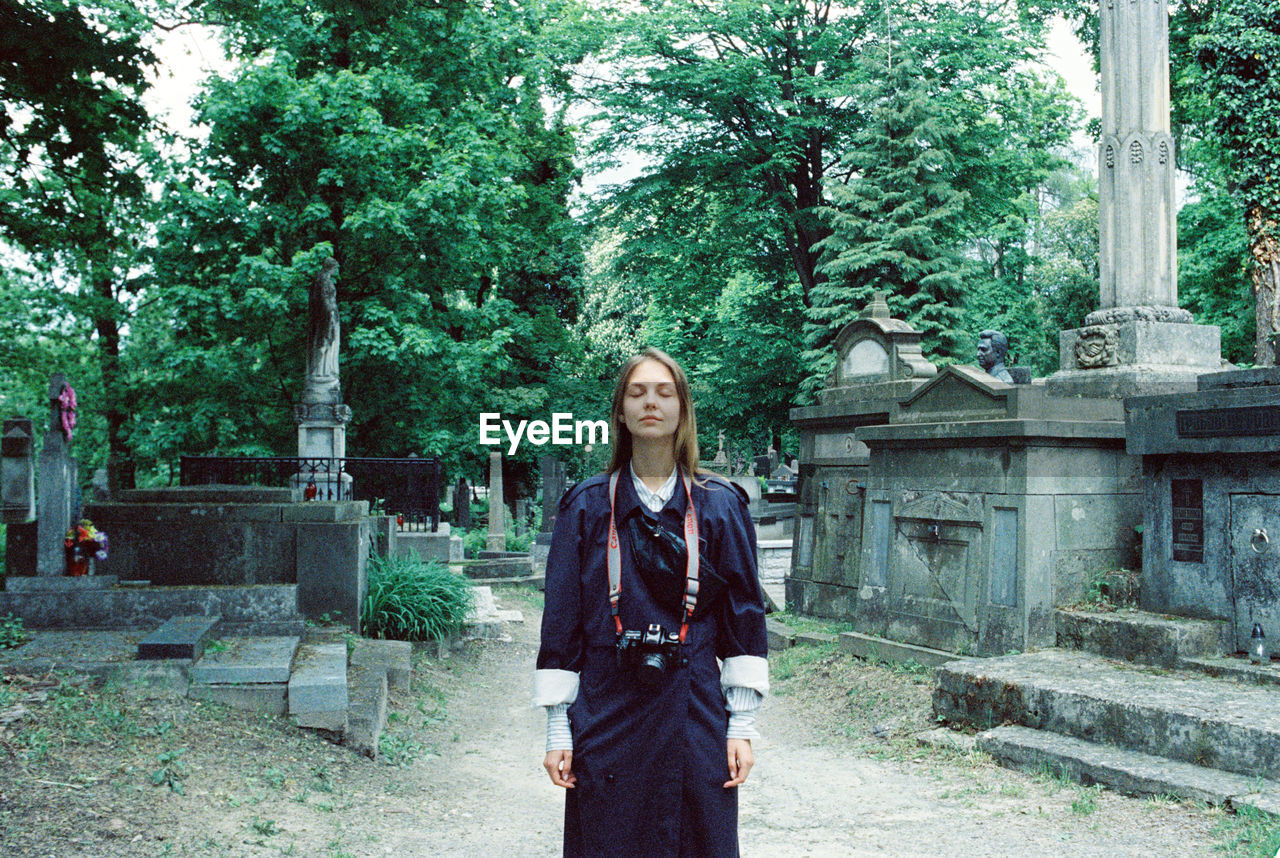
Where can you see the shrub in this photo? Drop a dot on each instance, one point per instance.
(414, 601)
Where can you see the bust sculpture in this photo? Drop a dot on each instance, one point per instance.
(993, 348)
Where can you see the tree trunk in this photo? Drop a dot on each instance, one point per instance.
(120, 465)
(1264, 247)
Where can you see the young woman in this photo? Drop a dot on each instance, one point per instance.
(652, 664)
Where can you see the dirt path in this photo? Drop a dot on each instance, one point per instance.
(811, 793)
(88, 773)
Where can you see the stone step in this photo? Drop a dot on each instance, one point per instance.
(1182, 716)
(394, 658)
(246, 661)
(179, 637)
(318, 685)
(872, 648)
(1125, 771)
(1142, 637)
(267, 698)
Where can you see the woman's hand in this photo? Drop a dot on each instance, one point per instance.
(559, 764)
(740, 761)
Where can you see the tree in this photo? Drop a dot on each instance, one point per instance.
(74, 159)
(1239, 53)
(411, 142)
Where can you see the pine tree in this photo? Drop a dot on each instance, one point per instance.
(895, 226)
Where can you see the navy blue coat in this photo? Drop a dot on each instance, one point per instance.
(650, 766)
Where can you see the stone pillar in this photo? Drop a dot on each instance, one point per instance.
(522, 516)
(322, 434)
(17, 472)
(462, 504)
(1139, 341)
(497, 540)
(55, 504)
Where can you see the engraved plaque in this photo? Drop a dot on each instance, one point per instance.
(1004, 559)
(1188, 521)
(1224, 422)
(881, 533)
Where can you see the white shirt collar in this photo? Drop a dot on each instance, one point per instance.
(654, 500)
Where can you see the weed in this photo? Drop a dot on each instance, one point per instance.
(265, 827)
(215, 647)
(274, 778)
(414, 601)
(322, 781)
(1249, 833)
(399, 751)
(302, 796)
(1086, 800)
(910, 667)
(171, 770)
(12, 632)
(787, 663)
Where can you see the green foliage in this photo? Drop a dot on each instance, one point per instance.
(12, 632)
(1213, 278)
(414, 601)
(170, 770)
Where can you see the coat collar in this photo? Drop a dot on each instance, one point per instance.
(627, 501)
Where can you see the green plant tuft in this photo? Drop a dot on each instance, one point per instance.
(12, 632)
(414, 601)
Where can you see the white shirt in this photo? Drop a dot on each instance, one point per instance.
(655, 501)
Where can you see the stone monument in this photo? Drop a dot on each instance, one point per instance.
(497, 539)
(1139, 340)
(321, 415)
(17, 474)
(58, 501)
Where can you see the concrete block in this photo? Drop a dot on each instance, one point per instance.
(318, 685)
(325, 511)
(59, 584)
(178, 637)
(150, 606)
(1128, 772)
(1141, 637)
(503, 568)
(395, 658)
(881, 649)
(332, 570)
(367, 713)
(247, 661)
(425, 545)
(780, 635)
(267, 698)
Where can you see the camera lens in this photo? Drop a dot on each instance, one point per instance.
(650, 669)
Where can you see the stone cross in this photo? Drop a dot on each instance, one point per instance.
(57, 504)
(497, 540)
(1137, 211)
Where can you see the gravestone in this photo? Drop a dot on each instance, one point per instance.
(321, 415)
(1139, 341)
(57, 502)
(497, 539)
(17, 472)
(553, 488)
(521, 517)
(462, 504)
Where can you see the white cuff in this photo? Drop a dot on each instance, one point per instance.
(742, 703)
(552, 687)
(745, 671)
(559, 736)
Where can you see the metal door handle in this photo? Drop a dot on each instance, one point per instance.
(1259, 535)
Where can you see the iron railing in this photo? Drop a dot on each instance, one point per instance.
(408, 489)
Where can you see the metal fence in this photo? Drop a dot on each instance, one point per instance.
(408, 489)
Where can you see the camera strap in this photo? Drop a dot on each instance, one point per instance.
(690, 539)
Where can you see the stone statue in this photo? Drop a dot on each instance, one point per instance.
(323, 338)
(993, 348)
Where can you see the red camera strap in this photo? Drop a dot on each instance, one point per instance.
(691, 544)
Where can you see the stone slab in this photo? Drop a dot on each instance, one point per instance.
(1141, 637)
(948, 740)
(267, 698)
(875, 648)
(815, 639)
(247, 661)
(1179, 715)
(325, 511)
(1239, 669)
(212, 493)
(781, 636)
(145, 607)
(332, 569)
(318, 685)
(179, 637)
(59, 584)
(505, 568)
(1125, 771)
(395, 658)
(367, 712)
(79, 647)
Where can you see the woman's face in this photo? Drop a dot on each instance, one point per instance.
(651, 406)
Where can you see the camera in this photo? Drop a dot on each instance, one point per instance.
(648, 654)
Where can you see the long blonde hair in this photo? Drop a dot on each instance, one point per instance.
(685, 442)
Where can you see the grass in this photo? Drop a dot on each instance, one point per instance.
(414, 601)
(800, 623)
(12, 632)
(1248, 834)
